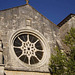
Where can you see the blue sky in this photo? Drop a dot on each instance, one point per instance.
(54, 10)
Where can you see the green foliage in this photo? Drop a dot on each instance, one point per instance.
(70, 41)
(60, 63)
(70, 38)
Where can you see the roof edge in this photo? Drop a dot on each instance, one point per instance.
(44, 16)
(13, 7)
(65, 19)
(34, 9)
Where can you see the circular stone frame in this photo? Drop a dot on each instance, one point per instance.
(37, 34)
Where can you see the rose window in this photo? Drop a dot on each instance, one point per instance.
(28, 48)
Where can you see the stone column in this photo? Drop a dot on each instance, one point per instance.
(1, 59)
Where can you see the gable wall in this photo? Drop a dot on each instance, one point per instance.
(14, 19)
(66, 27)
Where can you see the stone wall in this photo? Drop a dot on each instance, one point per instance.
(24, 73)
(67, 26)
(19, 18)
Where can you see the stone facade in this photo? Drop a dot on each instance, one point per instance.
(25, 21)
(24, 73)
(66, 25)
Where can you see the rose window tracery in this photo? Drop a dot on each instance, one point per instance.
(28, 48)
